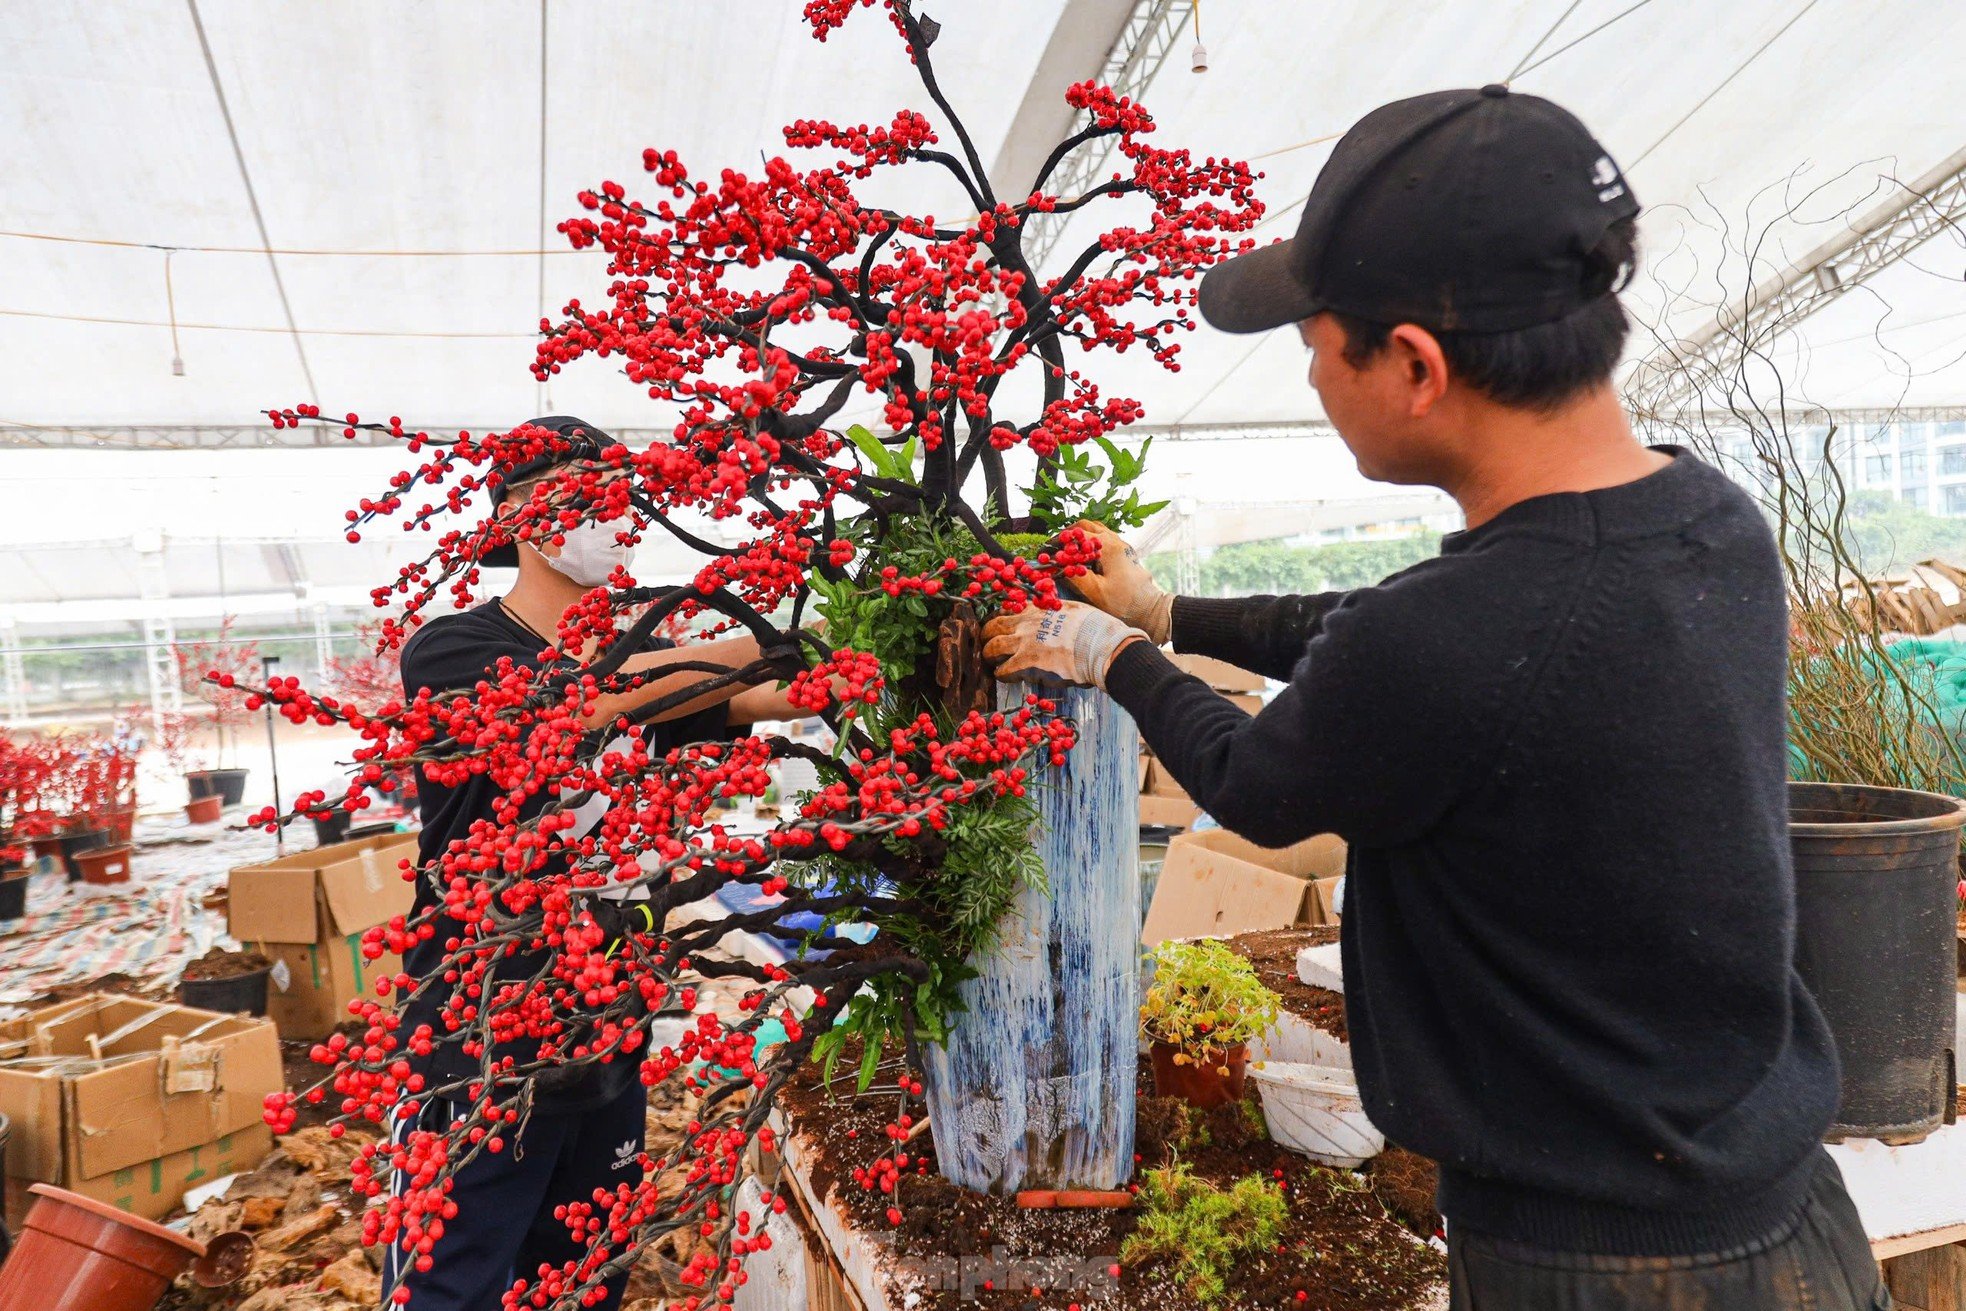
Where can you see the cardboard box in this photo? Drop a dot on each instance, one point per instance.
(1160, 783)
(1215, 884)
(307, 912)
(1168, 812)
(1247, 702)
(131, 1102)
(1219, 674)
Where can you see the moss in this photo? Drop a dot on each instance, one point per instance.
(1203, 1228)
(1024, 543)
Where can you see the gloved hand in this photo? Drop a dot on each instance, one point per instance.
(1122, 587)
(1071, 645)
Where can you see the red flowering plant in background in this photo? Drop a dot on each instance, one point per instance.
(213, 671)
(27, 766)
(761, 306)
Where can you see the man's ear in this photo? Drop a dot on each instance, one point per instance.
(1424, 365)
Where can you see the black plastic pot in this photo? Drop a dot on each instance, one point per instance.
(331, 830)
(375, 830)
(241, 992)
(227, 784)
(1876, 873)
(73, 844)
(13, 894)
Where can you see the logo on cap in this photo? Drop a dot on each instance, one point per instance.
(1604, 176)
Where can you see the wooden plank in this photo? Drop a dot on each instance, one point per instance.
(1886, 1248)
(1931, 1279)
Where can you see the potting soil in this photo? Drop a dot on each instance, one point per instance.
(1272, 953)
(1341, 1247)
(219, 963)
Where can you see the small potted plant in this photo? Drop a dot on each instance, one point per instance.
(23, 820)
(1205, 1004)
(225, 713)
(176, 731)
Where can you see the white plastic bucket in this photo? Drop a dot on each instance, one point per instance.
(1296, 1040)
(1315, 1110)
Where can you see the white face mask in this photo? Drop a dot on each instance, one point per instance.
(591, 553)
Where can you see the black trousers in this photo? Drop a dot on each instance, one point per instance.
(1820, 1261)
(504, 1228)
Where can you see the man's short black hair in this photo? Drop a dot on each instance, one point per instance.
(1541, 367)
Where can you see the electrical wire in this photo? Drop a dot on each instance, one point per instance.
(252, 199)
(1560, 20)
(539, 386)
(1759, 50)
(1571, 44)
(312, 251)
(170, 306)
(277, 331)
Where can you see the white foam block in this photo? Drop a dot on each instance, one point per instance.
(1321, 967)
(1906, 1190)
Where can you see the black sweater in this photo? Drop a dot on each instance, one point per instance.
(1558, 754)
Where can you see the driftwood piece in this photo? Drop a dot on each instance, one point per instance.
(961, 676)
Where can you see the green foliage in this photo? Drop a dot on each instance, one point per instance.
(990, 859)
(1205, 996)
(1250, 568)
(888, 463)
(1884, 533)
(1072, 489)
(987, 855)
(1204, 1229)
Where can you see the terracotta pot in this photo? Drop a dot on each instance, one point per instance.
(1213, 1079)
(205, 810)
(75, 842)
(105, 864)
(120, 823)
(76, 1252)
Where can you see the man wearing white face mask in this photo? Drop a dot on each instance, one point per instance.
(585, 1131)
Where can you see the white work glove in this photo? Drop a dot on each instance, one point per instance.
(1122, 587)
(1071, 645)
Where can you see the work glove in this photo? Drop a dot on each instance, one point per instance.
(1122, 587)
(1072, 645)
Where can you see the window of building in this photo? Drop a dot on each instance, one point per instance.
(1913, 495)
(1877, 469)
(1952, 460)
(1955, 500)
(1912, 464)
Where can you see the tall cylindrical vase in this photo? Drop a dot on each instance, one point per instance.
(1035, 1087)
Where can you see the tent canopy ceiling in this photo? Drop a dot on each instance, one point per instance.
(375, 126)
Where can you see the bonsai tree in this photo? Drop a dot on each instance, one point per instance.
(763, 305)
(1205, 1005)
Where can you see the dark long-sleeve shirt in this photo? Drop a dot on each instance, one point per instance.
(1557, 752)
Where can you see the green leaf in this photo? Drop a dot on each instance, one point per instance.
(870, 446)
(870, 1057)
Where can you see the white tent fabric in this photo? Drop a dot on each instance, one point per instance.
(377, 126)
(413, 136)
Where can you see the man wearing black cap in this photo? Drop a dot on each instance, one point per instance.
(585, 1130)
(1557, 751)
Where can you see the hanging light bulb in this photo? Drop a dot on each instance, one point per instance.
(177, 366)
(1198, 62)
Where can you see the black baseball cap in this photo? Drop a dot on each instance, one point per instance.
(585, 441)
(1463, 211)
